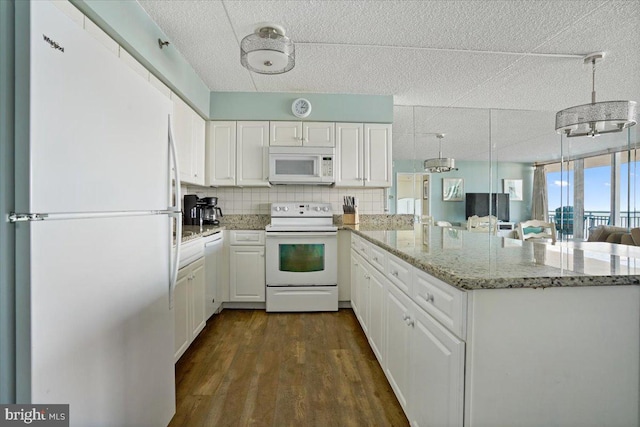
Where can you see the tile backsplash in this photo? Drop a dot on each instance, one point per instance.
(257, 200)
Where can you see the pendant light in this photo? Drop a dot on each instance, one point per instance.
(441, 164)
(598, 117)
(267, 50)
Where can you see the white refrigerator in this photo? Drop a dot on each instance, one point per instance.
(95, 265)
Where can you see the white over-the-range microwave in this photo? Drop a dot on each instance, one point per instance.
(302, 165)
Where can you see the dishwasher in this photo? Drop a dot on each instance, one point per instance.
(212, 258)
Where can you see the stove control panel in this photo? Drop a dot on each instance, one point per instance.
(292, 209)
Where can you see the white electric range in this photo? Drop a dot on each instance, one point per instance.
(302, 258)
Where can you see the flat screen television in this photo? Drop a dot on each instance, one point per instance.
(478, 204)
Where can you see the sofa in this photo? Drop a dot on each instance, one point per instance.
(611, 234)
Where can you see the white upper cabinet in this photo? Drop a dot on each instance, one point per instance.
(252, 151)
(349, 154)
(318, 134)
(189, 133)
(221, 154)
(377, 155)
(286, 134)
(309, 134)
(363, 154)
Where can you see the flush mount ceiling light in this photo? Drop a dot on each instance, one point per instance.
(267, 50)
(441, 164)
(598, 117)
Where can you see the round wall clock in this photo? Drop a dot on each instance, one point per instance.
(301, 107)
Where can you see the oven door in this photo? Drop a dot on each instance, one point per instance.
(302, 258)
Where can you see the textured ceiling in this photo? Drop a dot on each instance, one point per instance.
(453, 60)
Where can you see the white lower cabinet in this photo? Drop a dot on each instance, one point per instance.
(189, 306)
(436, 366)
(376, 313)
(361, 291)
(397, 336)
(247, 273)
(355, 273)
(422, 359)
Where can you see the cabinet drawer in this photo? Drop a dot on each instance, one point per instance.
(445, 303)
(399, 273)
(377, 257)
(191, 251)
(246, 237)
(360, 245)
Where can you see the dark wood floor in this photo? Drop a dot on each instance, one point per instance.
(249, 367)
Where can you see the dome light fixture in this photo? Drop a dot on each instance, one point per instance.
(441, 164)
(267, 50)
(596, 118)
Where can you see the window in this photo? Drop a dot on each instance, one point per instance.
(629, 190)
(559, 186)
(597, 190)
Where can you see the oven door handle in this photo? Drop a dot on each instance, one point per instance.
(301, 234)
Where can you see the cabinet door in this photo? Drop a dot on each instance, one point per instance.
(437, 374)
(221, 153)
(286, 133)
(252, 154)
(397, 333)
(349, 155)
(197, 297)
(318, 134)
(182, 135)
(213, 277)
(182, 335)
(198, 131)
(362, 283)
(247, 273)
(377, 155)
(355, 266)
(376, 314)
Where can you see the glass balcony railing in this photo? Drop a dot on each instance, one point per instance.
(592, 219)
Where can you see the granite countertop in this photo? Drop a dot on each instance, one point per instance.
(471, 261)
(192, 232)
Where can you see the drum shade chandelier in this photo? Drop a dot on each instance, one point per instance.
(267, 50)
(598, 117)
(440, 164)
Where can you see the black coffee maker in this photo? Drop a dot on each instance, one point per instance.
(210, 210)
(192, 210)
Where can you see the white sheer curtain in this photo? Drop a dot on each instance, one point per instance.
(540, 204)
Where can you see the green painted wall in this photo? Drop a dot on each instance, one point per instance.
(477, 179)
(324, 107)
(129, 25)
(7, 234)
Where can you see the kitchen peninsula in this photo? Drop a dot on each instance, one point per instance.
(480, 330)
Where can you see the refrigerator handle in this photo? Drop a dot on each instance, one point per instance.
(177, 213)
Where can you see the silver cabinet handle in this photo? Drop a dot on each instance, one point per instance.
(429, 297)
(375, 258)
(394, 273)
(405, 317)
(366, 276)
(411, 323)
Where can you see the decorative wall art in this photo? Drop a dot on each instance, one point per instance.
(452, 189)
(513, 187)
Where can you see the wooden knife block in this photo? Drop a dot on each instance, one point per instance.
(350, 219)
